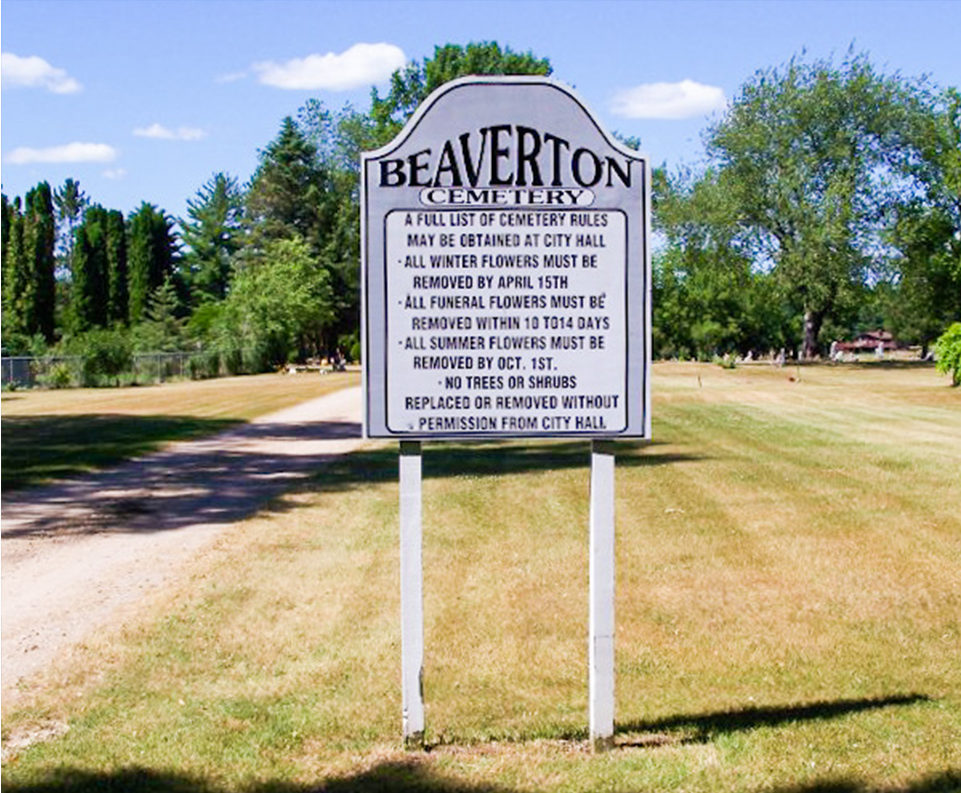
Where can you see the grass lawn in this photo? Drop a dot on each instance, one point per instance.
(788, 616)
(51, 434)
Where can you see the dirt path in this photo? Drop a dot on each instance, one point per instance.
(77, 553)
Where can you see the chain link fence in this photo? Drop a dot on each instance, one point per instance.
(65, 371)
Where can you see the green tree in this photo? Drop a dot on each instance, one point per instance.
(337, 140)
(115, 240)
(279, 307)
(927, 230)
(413, 84)
(804, 152)
(708, 300)
(90, 291)
(5, 215)
(286, 194)
(213, 235)
(152, 251)
(42, 236)
(304, 189)
(28, 266)
(14, 268)
(70, 202)
(161, 330)
(948, 352)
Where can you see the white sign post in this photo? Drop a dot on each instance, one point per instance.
(601, 618)
(506, 278)
(411, 593)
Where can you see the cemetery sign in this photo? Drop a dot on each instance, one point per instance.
(505, 270)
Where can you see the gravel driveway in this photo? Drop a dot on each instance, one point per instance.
(75, 554)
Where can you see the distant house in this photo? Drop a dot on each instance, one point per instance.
(869, 342)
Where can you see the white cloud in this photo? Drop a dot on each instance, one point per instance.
(161, 132)
(35, 72)
(362, 64)
(114, 173)
(668, 100)
(70, 152)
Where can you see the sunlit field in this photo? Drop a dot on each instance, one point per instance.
(788, 615)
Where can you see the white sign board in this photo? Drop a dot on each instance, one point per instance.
(506, 270)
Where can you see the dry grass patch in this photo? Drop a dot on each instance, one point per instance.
(241, 398)
(788, 611)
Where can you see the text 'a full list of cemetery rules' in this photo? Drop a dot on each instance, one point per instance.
(506, 321)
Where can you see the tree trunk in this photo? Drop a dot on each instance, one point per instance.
(812, 327)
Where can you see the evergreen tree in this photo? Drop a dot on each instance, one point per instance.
(13, 269)
(4, 232)
(42, 236)
(90, 294)
(28, 265)
(116, 251)
(70, 202)
(161, 329)
(287, 190)
(151, 256)
(338, 139)
(213, 235)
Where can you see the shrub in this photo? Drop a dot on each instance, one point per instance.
(947, 350)
(727, 361)
(105, 353)
(58, 376)
(203, 365)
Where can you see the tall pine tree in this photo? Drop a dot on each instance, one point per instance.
(90, 292)
(116, 251)
(287, 190)
(42, 236)
(151, 256)
(28, 265)
(7, 210)
(213, 235)
(70, 202)
(13, 267)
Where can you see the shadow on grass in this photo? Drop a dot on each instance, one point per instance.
(231, 476)
(489, 458)
(219, 479)
(701, 728)
(37, 449)
(404, 777)
(943, 782)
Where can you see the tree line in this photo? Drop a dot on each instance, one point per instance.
(830, 203)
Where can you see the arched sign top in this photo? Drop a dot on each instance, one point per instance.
(506, 271)
(506, 132)
(439, 94)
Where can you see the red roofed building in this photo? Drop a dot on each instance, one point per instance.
(869, 342)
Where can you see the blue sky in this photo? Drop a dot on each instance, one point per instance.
(145, 99)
